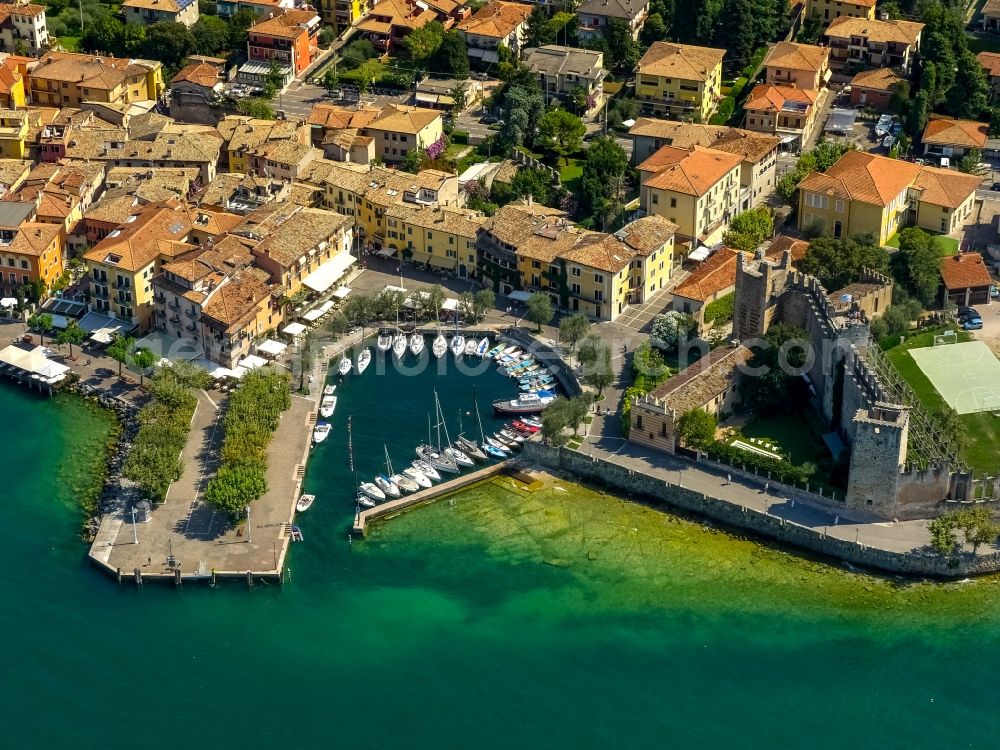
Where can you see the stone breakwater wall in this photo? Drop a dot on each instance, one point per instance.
(621, 479)
(117, 491)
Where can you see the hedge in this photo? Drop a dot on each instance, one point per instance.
(460, 136)
(777, 469)
(721, 310)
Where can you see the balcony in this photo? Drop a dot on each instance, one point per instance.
(100, 292)
(174, 304)
(193, 314)
(191, 327)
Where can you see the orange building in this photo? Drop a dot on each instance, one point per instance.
(29, 250)
(290, 39)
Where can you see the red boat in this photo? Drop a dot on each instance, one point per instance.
(524, 427)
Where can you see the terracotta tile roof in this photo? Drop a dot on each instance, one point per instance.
(159, 230)
(332, 117)
(944, 187)
(460, 222)
(863, 177)
(290, 232)
(167, 6)
(797, 56)
(647, 234)
(783, 242)
(236, 302)
(713, 276)
(514, 223)
(90, 71)
(692, 172)
(684, 61)
(964, 270)
(401, 118)
(199, 73)
(8, 77)
(769, 97)
(33, 238)
(990, 62)
(702, 381)
(399, 13)
(947, 132)
(753, 146)
(886, 32)
(991, 8)
(496, 19)
(288, 25)
(750, 145)
(25, 9)
(878, 79)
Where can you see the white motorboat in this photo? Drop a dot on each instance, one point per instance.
(482, 347)
(416, 343)
(457, 344)
(364, 501)
(372, 491)
(364, 359)
(329, 390)
(304, 503)
(345, 365)
(526, 403)
(384, 342)
(427, 470)
(417, 476)
(399, 345)
(387, 486)
(509, 434)
(440, 346)
(327, 405)
(508, 441)
(459, 457)
(500, 446)
(439, 461)
(470, 348)
(404, 483)
(321, 432)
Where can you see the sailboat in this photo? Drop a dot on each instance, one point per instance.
(470, 348)
(457, 344)
(417, 476)
(390, 488)
(398, 340)
(345, 365)
(364, 359)
(434, 458)
(490, 446)
(427, 470)
(400, 480)
(384, 342)
(459, 457)
(467, 446)
(440, 345)
(416, 343)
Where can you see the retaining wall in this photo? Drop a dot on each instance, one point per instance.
(621, 479)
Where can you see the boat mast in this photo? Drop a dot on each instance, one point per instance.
(353, 467)
(441, 418)
(388, 462)
(482, 435)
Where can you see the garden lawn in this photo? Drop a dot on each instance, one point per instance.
(983, 428)
(799, 441)
(945, 245)
(571, 173)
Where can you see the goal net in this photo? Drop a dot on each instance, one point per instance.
(948, 337)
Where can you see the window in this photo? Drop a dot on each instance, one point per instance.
(575, 271)
(817, 201)
(840, 206)
(535, 264)
(656, 199)
(24, 264)
(673, 203)
(663, 429)
(598, 278)
(638, 422)
(575, 288)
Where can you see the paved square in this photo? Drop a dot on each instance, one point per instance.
(966, 375)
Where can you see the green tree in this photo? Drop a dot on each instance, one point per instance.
(943, 538)
(331, 81)
(211, 35)
(422, 42)
(170, 43)
(431, 300)
(413, 160)
(654, 30)
(917, 265)
(523, 108)
(359, 310)
(811, 30)
(41, 322)
(600, 373)
(749, 229)
(483, 302)
(451, 55)
(71, 334)
(536, 33)
(239, 22)
(696, 428)
(256, 107)
(573, 328)
(555, 420)
(274, 80)
(368, 73)
(969, 97)
(772, 382)
(970, 163)
(978, 526)
(577, 412)
(460, 95)
(590, 349)
(561, 133)
(357, 52)
(951, 429)
(539, 310)
(120, 349)
(837, 263)
(603, 178)
(623, 51)
(143, 358)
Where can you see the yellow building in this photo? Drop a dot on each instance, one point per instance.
(698, 189)
(12, 91)
(433, 236)
(122, 266)
(343, 13)
(63, 79)
(13, 133)
(827, 10)
(243, 136)
(864, 193)
(29, 252)
(680, 80)
(582, 271)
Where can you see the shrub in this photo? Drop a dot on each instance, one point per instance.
(721, 310)
(779, 469)
(460, 136)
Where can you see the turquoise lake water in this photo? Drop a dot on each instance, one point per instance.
(558, 618)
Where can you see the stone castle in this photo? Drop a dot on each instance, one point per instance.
(900, 468)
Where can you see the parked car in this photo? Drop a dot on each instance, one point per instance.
(994, 291)
(972, 324)
(964, 313)
(489, 119)
(995, 186)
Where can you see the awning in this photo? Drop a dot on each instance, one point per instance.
(105, 335)
(8, 302)
(59, 321)
(386, 252)
(419, 257)
(214, 369)
(421, 98)
(700, 253)
(391, 288)
(319, 312)
(272, 347)
(33, 361)
(446, 263)
(450, 304)
(342, 292)
(251, 362)
(520, 296)
(294, 329)
(171, 347)
(330, 272)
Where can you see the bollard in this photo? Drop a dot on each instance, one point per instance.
(138, 577)
(177, 577)
(249, 579)
(118, 570)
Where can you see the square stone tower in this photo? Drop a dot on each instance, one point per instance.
(877, 457)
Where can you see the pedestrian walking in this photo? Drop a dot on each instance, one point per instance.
(767, 486)
(836, 520)
(149, 561)
(729, 478)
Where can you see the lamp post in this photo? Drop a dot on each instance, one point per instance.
(249, 532)
(135, 535)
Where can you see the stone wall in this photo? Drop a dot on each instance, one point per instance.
(629, 482)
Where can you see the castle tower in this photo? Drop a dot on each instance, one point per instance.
(877, 458)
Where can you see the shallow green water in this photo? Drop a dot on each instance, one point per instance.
(551, 619)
